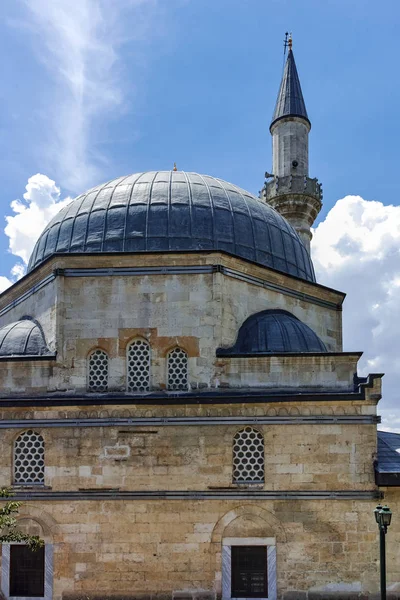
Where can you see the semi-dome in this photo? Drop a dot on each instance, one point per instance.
(274, 331)
(174, 211)
(22, 338)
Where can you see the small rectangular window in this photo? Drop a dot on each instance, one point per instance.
(249, 572)
(26, 571)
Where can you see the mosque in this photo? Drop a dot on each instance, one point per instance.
(177, 413)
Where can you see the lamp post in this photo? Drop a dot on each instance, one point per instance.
(383, 517)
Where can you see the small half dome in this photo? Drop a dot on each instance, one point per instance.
(272, 332)
(23, 338)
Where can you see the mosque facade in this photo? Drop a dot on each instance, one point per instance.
(177, 413)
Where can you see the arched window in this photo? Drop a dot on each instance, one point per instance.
(248, 456)
(29, 458)
(138, 366)
(98, 371)
(177, 369)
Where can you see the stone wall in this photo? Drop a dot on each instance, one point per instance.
(199, 312)
(305, 371)
(165, 549)
(189, 457)
(122, 547)
(21, 377)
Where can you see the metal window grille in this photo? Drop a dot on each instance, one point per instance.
(138, 366)
(98, 372)
(248, 456)
(29, 458)
(26, 571)
(249, 572)
(177, 369)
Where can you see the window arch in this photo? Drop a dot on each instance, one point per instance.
(177, 369)
(248, 456)
(29, 458)
(138, 360)
(98, 371)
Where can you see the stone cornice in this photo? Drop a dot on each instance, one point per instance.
(191, 421)
(43, 495)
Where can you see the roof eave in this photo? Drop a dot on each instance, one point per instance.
(387, 479)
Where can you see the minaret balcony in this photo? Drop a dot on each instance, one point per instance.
(292, 184)
(298, 199)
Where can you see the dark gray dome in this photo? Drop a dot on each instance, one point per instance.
(172, 211)
(22, 338)
(274, 331)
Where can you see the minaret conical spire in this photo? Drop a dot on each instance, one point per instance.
(290, 101)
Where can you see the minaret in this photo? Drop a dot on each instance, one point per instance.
(290, 191)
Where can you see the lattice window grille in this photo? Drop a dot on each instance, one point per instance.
(138, 366)
(248, 456)
(29, 458)
(177, 370)
(98, 372)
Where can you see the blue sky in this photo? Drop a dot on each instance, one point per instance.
(198, 84)
(96, 89)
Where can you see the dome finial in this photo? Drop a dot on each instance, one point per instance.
(287, 42)
(175, 167)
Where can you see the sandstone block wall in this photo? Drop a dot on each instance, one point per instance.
(297, 457)
(323, 372)
(167, 549)
(199, 312)
(32, 376)
(172, 548)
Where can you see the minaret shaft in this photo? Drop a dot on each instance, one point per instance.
(290, 147)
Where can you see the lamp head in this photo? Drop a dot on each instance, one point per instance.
(377, 511)
(385, 515)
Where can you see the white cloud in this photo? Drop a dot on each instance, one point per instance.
(356, 249)
(41, 202)
(79, 43)
(4, 283)
(18, 271)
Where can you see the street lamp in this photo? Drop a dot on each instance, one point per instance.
(383, 517)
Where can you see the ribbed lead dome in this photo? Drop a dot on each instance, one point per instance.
(172, 211)
(22, 338)
(274, 331)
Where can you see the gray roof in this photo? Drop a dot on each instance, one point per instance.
(290, 101)
(174, 211)
(274, 331)
(22, 338)
(388, 457)
(387, 464)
